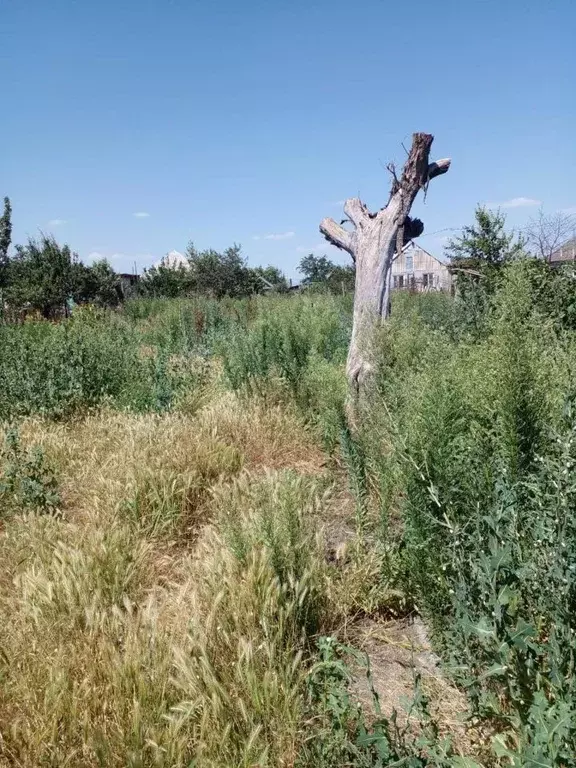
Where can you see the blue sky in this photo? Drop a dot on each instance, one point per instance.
(223, 122)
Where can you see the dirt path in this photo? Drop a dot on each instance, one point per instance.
(399, 650)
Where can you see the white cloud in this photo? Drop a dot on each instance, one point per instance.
(570, 211)
(56, 222)
(141, 215)
(338, 203)
(312, 248)
(281, 236)
(515, 202)
(273, 236)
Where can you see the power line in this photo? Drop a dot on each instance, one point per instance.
(438, 231)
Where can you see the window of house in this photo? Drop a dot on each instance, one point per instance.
(400, 281)
(427, 279)
(409, 262)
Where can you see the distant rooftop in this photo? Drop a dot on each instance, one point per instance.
(566, 252)
(173, 260)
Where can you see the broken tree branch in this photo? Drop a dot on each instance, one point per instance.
(337, 235)
(438, 168)
(356, 211)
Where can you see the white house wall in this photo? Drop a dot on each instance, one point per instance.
(423, 264)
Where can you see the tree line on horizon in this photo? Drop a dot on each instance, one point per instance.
(45, 277)
(48, 278)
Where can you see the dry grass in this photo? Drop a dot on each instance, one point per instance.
(167, 617)
(111, 457)
(118, 648)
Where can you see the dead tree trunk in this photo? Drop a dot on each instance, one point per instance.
(372, 244)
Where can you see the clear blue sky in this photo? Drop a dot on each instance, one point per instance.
(227, 121)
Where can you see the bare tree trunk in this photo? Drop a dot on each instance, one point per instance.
(372, 244)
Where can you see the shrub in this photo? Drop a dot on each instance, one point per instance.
(57, 369)
(471, 452)
(283, 342)
(27, 483)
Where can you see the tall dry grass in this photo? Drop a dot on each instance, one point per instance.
(163, 619)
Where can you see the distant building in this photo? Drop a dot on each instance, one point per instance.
(417, 270)
(127, 284)
(174, 260)
(565, 254)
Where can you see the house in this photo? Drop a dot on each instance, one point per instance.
(564, 254)
(417, 270)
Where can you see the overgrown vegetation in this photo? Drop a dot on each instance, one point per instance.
(192, 534)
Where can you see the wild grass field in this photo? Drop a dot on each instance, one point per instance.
(196, 548)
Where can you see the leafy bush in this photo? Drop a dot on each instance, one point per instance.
(478, 468)
(283, 342)
(58, 369)
(27, 483)
(514, 601)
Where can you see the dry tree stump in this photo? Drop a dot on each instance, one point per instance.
(375, 239)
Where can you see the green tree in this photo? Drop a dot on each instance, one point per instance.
(270, 277)
(318, 270)
(5, 230)
(485, 244)
(166, 280)
(5, 240)
(477, 257)
(97, 284)
(210, 273)
(220, 274)
(342, 278)
(42, 276)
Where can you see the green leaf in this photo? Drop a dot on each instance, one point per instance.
(494, 671)
(500, 748)
(505, 595)
(483, 629)
(521, 633)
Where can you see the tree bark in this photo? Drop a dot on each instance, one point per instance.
(372, 244)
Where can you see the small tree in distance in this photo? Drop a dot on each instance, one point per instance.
(318, 270)
(210, 273)
(477, 256)
(5, 240)
(271, 277)
(166, 280)
(484, 244)
(5, 230)
(220, 274)
(546, 233)
(98, 284)
(42, 276)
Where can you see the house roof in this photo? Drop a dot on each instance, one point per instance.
(416, 246)
(173, 260)
(566, 252)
